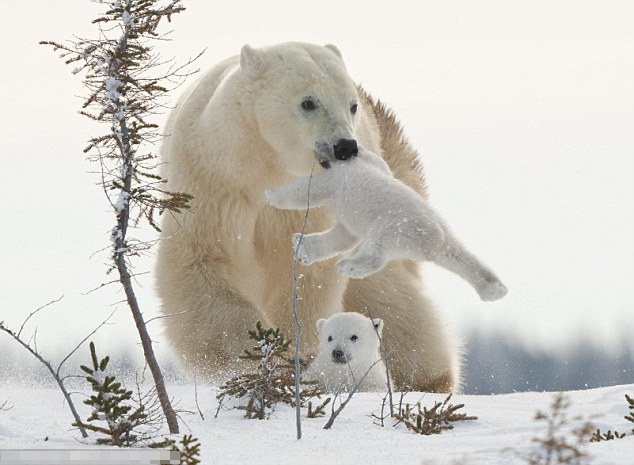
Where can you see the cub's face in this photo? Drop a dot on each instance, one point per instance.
(349, 338)
(305, 105)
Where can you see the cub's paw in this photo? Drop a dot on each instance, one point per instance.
(302, 249)
(271, 197)
(492, 291)
(353, 268)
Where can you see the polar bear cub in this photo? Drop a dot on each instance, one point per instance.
(348, 354)
(386, 217)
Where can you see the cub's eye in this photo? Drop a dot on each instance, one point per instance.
(308, 105)
(354, 338)
(329, 338)
(354, 108)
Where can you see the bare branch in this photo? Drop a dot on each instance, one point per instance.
(36, 311)
(298, 324)
(384, 356)
(5, 407)
(102, 285)
(169, 315)
(335, 412)
(196, 398)
(49, 367)
(59, 367)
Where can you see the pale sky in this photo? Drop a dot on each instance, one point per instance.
(523, 114)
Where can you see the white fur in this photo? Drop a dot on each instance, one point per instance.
(349, 354)
(387, 218)
(225, 263)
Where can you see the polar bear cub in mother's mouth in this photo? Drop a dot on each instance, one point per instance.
(386, 219)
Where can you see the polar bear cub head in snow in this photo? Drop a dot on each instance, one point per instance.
(349, 354)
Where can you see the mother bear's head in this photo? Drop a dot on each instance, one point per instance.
(305, 105)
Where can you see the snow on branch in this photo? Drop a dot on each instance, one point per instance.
(127, 82)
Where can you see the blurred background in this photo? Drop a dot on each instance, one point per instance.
(523, 114)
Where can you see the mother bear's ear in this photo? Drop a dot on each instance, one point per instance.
(251, 60)
(335, 50)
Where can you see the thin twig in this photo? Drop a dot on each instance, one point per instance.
(218, 409)
(50, 368)
(103, 323)
(36, 311)
(353, 391)
(384, 355)
(196, 398)
(4, 406)
(382, 416)
(114, 281)
(298, 324)
(55, 372)
(169, 315)
(102, 285)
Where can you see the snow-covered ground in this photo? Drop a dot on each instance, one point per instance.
(504, 422)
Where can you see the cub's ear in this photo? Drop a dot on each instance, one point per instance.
(335, 50)
(320, 324)
(251, 60)
(378, 324)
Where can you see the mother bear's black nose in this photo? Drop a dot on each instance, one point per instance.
(346, 148)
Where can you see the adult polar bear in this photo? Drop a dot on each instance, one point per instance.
(255, 122)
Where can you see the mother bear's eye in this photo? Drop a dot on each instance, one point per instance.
(354, 108)
(354, 338)
(329, 338)
(308, 105)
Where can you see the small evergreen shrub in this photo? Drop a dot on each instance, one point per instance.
(272, 380)
(113, 416)
(189, 448)
(597, 436)
(560, 444)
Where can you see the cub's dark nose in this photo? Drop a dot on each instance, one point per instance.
(346, 148)
(338, 356)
